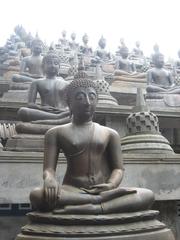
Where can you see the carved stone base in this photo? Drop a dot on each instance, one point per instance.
(146, 143)
(126, 226)
(163, 100)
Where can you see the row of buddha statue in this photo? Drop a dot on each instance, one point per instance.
(123, 67)
(91, 191)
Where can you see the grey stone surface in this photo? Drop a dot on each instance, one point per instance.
(10, 226)
(22, 172)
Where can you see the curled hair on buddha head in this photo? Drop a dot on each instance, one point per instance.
(81, 82)
(51, 54)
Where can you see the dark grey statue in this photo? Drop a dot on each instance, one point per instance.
(53, 108)
(31, 66)
(95, 170)
(159, 79)
(101, 53)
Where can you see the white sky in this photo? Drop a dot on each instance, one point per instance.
(149, 21)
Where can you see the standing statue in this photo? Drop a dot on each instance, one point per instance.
(159, 79)
(53, 108)
(94, 163)
(31, 66)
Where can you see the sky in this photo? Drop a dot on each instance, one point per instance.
(149, 21)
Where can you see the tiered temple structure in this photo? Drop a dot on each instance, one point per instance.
(149, 131)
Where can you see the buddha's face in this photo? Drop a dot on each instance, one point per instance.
(37, 48)
(102, 43)
(64, 34)
(85, 39)
(159, 61)
(73, 36)
(83, 103)
(124, 52)
(51, 66)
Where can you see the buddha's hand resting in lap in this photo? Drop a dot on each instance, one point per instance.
(51, 190)
(96, 189)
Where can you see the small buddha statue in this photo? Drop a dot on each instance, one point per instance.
(85, 49)
(137, 52)
(123, 63)
(31, 66)
(63, 41)
(73, 44)
(53, 108)
(125, 68)
(156, 50)
(94, 164)
(122, 45)
(101, 53)
(159, 79)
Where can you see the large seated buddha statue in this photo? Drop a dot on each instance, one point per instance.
(90, 203)
(53, 108)
(125, 68)
(94, 163)
(31, 66)
(160, 81)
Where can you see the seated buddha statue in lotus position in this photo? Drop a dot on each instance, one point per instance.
(160, 80)
(91, 184)
(125, 69)
(53, 109)
(31, 66)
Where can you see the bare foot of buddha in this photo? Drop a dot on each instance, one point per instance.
(80, 209)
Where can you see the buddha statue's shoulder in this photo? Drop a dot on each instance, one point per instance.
(107, 130)
(61, 82)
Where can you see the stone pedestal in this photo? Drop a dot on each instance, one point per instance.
(125, 226)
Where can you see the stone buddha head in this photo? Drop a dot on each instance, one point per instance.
(158, 60)
(102, 42)
(124, 52)
(85, 39)
(37, 46)
(51, 64)
(73, 36)
(82, 98)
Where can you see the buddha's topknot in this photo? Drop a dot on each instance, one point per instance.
(85, 83)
